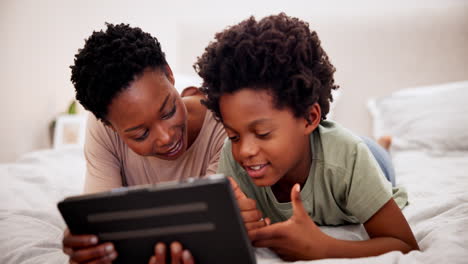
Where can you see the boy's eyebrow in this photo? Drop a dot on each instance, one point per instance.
(160, 110)
(251, 124)
(258, 122)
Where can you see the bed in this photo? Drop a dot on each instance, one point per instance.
(429, 126)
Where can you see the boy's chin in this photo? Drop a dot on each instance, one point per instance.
(263, 182)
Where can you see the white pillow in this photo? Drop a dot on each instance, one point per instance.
(432, 117)
(336, 96)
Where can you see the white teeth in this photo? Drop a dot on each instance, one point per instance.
(256, 167)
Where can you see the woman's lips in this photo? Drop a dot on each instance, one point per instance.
(175, 149)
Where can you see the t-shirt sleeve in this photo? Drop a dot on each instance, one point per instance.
(367, 188)
(219, 135)
(102, 163)
(225, 165)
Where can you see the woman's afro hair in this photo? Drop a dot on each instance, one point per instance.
(109, 61)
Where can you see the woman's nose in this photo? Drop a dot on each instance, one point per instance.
(162, 136)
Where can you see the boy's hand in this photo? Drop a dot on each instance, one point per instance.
(85, 249)
(298, 238)
(178, 255)
(252, 217)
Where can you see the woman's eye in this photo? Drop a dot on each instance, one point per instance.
(234, 138)
(142, 137)
(170, 114)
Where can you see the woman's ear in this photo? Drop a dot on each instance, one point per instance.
(108, 124)
(313, 118)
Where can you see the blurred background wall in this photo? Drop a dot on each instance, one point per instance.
(377, 47)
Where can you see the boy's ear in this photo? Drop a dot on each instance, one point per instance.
(313, 118)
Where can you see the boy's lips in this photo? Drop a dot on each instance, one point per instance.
(256, 170)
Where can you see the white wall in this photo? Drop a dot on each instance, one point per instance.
(377, 47)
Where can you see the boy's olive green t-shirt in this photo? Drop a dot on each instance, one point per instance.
(345, 183)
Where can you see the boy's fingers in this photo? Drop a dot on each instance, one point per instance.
(298, 207)
(254, 225)
(265, 233)
(238, 193)
(251, 215)
(247, 204)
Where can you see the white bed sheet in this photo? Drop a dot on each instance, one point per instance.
(31, 227)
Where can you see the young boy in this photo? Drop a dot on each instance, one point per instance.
(269, 82)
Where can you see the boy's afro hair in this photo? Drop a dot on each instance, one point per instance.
(109, 61)
(278, 53)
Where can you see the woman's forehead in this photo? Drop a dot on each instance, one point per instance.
(151, 92)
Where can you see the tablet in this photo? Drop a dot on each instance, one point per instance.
(202, 214)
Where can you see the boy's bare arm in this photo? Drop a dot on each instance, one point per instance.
(388, 231)
(299, 238)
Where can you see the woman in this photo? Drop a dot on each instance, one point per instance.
(141, 131)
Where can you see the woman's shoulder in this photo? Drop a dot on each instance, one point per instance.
(97, 130)
(201, 122)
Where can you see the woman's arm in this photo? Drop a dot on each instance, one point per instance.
(102, 174)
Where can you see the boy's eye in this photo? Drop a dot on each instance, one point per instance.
(170, 114)
(263, 135)
(142, 137)
(234, 138)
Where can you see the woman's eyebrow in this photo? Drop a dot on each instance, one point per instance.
(133, 128)
(164, 103)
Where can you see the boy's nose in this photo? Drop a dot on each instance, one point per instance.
(248, 148)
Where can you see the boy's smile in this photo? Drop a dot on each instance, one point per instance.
(256, 171)
(271, 144)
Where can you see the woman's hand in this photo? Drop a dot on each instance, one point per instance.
(178, 254)
(85, 249)
(251, 216)
(298, 238)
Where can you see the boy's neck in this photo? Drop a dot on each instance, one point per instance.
(298, 174)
